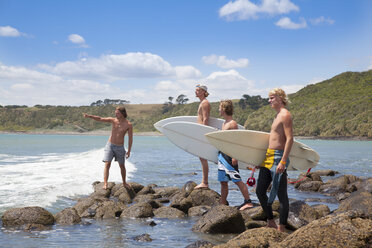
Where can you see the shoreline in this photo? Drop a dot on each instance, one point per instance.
(155, 133)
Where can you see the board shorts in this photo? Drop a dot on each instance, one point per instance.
(114, 151)
(271, 161)
(227, 171)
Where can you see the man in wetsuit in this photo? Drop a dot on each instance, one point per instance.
(273, 168)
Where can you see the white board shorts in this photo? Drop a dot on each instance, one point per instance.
(114, 151)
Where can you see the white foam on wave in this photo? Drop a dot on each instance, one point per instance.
(42, 181)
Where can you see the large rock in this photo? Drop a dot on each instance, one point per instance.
(138, 210)
(189, 187)
(198, 211)
(83, 204)
(300, 214)
(15, 217)
(255, 213)
(204, 197)
(200, 244)
(325, 172)
(136, 186)
(146, 190)
(359, 200)
(334, 186)
(166, 191)
(310, 186)
(321, 209)
(68, 216)
(109, 209)
(179, 201)
(99, 191)
(125, 195)
(344, 230)
(169, 213)
(220, 219)
(261, 237)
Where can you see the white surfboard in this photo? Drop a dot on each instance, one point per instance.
(190, 137)
(250, 147)
(213, 122)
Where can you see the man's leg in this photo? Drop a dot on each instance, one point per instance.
(224, 192)
(106, 174)
(205, 168)
(123, 175)
(244, 189)
(263, 183)
(284, 202)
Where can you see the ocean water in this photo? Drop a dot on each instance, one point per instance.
(52, 171)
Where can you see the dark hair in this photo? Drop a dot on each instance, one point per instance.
(123, 111)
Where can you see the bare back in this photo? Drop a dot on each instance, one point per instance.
(281, 124)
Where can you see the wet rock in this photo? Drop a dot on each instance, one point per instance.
(220, 219)
(136, 186)
(83, 204)
(99, 191)
(200, 244)
(143, 238)
(359, 200)
(301, 180)
(310, 186)
(166, 192)
(348, 229)
(138, 210)
(27, 215)
(68, 216)
(300, 214)
(325, 172)
(256, 213)
(180, 202)
(189, 187)
(152, 223)
(321, 209)
(260, 237)
(334, 186)
(36, 227)
(109, 209)
(169, 213)
(146, 190)
(342, 196)
(125, 195)
(198, 210)
(203, 197)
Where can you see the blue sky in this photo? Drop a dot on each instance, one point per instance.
(76, 52)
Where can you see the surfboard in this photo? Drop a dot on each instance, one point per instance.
(250, 147)
(213, 122)
(190, 137)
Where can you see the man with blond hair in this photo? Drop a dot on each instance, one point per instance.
(115, 145)
(273, 168)
(201, 92)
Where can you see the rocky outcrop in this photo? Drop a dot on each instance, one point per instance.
(68, 216)
(138, 210)
(220, 219)
(350, 229)
(261, 237)
(169, 213)
(359, 200)
(17, 217)
(301, 214)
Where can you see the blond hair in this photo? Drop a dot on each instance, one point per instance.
(227, 107)
(280, 93)
(122, 110)
(204, 88)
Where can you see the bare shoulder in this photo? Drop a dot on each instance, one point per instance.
(233, 124)
(205, 103)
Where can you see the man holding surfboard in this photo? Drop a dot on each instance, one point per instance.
(201, 91)
(227, 166)
(273, 168)
(115, 145)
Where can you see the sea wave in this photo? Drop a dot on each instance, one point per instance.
(41, 180)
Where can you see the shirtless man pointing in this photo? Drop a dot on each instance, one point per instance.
(115, 145)
(204, 109)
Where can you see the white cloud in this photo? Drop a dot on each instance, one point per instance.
(245, 9)
(166, 86)
(286, 23)
(78, 40)
(289, 89)
(123, 66)
(223, 62)
(21, 87)
(8, 31)
(322, 20)
(316, 80)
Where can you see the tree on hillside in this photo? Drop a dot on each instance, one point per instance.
(181, 99)
(254, 102)
(109, 102)
(167, 106)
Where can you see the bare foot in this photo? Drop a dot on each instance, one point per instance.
(246, 206)
(104, 186)
(272, 224)
(127, 186)
(202, 185)
(281, 228)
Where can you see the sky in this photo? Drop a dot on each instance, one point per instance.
(75, 52)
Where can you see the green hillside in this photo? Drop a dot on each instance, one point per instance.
(338, 107)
